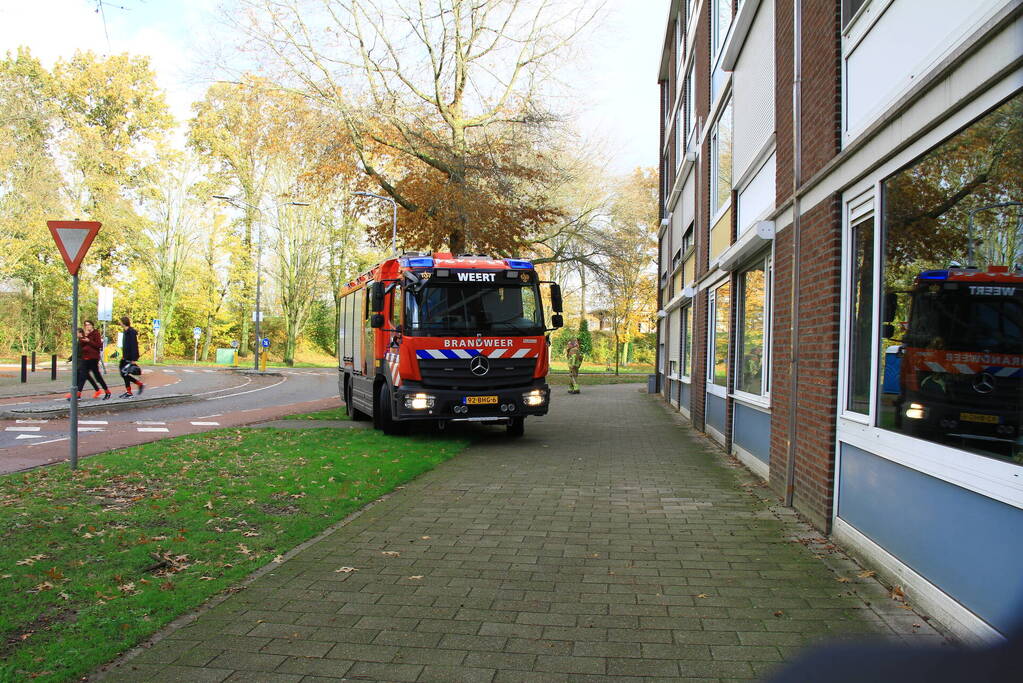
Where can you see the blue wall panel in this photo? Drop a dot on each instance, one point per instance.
(715, 412)
(684, 399)
(968, 545)
(751, 430)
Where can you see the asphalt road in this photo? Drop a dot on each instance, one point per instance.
(218, 398)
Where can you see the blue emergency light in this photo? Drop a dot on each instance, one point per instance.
(518, 263)
(933, 275)
(420, 262)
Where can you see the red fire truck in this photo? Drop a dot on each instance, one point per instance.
(445, 338)
(961, 374)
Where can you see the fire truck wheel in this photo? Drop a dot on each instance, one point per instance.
(517, 426)
(385, 422)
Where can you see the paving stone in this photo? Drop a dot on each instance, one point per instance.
(626, 549)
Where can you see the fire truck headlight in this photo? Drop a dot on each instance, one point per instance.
(915, 411)
(536, 397)
(419, 401)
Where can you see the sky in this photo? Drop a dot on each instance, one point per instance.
(616, 77)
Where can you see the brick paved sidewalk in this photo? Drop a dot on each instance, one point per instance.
(609, 542)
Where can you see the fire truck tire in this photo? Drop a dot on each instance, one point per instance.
(350, 409)
(385, 422)
(517, 427)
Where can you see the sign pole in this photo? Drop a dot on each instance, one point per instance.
(74, 372)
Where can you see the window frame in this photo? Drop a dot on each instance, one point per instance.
(686, 339)
(712, 310)
(718, 210)
(765, 259)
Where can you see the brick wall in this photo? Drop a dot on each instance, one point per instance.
(818, 309)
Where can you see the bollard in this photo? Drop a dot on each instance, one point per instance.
(53, 367)
(24, 368)
(33, 361)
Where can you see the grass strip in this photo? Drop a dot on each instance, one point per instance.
(588, 380)
(328, 414)
(93, 562)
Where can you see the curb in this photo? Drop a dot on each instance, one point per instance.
(257, 373)
(110, 406)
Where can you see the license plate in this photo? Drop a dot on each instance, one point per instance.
(480, 400)
(977, 417)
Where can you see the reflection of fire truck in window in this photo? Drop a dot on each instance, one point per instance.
(442, 338)
(962, 357)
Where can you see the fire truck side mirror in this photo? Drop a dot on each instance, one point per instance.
(557, 321)
(556, 303)
(891, 304)
(376, 320)
(376, 298)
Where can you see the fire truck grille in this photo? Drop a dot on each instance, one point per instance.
(504, 373)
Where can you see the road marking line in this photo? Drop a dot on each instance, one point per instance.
(29, 436)
(209, 371)
(206, 424)
(93, 422)
(149, 422)
(22, 429)
(41, 443)
(170, 372)
(206, 417)
(188, 371)
(31, 422)
(271, 386)
(153, 429)
(91, 429)
(217, 391)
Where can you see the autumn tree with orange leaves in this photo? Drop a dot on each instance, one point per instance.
(439, 102)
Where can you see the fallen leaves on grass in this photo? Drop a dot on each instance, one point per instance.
(345, 570)
(29, 561)
(842, 579)
(866, 574)
(390, 553)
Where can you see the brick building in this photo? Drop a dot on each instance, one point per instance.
(840, 247)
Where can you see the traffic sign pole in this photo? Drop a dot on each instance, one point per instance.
(74, 372)
(73, 239)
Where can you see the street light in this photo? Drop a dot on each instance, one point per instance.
(394, 217)
(233, 201)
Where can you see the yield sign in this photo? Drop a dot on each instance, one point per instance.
(73, 239)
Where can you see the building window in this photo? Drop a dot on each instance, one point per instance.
(751, 368)
(690, 104)
(952, 300)
(721, 161)
(861, 315)
(849, 10)
(679, 52)
(720, 20)
(678, 139)
(720, 314)
(687, 238)
(687, 341)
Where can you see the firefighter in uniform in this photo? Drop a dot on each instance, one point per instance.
(574, 354)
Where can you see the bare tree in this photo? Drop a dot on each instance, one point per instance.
(432, 75)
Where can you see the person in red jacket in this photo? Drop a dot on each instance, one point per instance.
(91, 346)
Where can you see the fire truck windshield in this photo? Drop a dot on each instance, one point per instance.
(957, 320)
(443, 309)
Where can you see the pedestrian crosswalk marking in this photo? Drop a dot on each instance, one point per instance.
(188, 371)
(29, 436)
(90, 429)
(93, 422)
(149, 422)
(153, 429)
(206, 424)
(171, 372)
(22, 429)
(32, 422)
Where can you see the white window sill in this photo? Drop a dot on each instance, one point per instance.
(716, 390)
(761, 403)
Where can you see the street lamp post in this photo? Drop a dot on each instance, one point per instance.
(257, 348)
(394, 217)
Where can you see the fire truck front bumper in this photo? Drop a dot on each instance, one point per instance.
(414, 403)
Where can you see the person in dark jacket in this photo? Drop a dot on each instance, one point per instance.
(91, 346)
(129, 356)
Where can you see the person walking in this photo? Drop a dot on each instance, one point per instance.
(574, 354)
(91, 345)
(82, 375)
(129, 357)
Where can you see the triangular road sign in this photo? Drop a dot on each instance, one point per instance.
(73, 239)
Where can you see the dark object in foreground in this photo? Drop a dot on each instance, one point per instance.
(881, 662)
